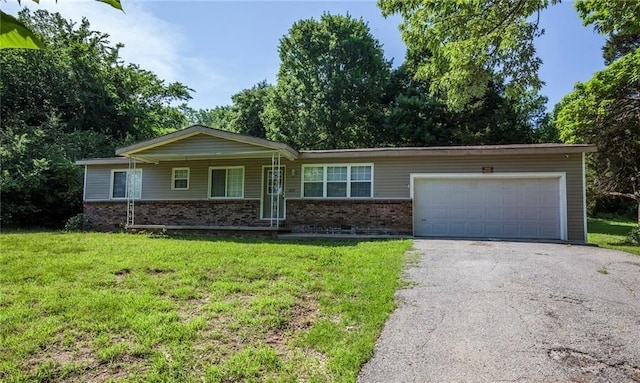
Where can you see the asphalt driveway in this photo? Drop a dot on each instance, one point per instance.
(513, 312)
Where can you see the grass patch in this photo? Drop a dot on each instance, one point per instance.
(95, 307)
(612, 233)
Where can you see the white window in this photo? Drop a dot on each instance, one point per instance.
(125, 183)
(337, 181)
(226, 182)
(180, 178)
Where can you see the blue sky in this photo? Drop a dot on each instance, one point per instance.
(218, 48)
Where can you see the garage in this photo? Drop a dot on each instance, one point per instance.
(494, 205)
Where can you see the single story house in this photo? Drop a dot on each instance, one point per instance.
(200, 178)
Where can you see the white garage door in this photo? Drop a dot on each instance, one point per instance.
(488, 207)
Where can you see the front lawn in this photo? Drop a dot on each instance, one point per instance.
(96, 307)
(612, 233)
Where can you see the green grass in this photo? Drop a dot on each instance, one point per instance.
(110, 307)
(612, 233)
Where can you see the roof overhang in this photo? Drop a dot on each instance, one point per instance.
(519, 149)
(264, 148)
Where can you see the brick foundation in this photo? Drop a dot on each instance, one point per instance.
(111, 215)
(350, 216)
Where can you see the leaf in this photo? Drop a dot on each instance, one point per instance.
(13, 34)
(114, 3)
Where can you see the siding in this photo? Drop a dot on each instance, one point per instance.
(391, 177)
(203, 144)
(392, 174)
(156, 179)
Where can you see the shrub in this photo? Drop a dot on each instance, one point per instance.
(76, 223)
(634, 236)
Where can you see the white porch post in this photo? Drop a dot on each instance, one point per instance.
(130, 191)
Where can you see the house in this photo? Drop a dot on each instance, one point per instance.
(207, 179)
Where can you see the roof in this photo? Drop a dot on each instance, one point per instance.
(137, 150)
(516, 149)
(452, 150)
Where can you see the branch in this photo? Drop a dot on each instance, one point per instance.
(627, 195)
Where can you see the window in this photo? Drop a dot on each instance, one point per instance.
(125, 183)
(337, 181)
(180, 179)
(226, 182)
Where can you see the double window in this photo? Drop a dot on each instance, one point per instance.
(336, 181)
(126, 184)
(180, 179)
(226, 182)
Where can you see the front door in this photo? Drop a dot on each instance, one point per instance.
(273, 193)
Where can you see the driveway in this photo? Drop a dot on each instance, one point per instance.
(513, 312)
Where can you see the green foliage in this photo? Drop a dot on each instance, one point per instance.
(330, 85)
(72, 99)
(610, 16)
(415, 118)
(248, 106)
(76, 223)
(14, 34)
(130, 307)
(219, 117)
(613, 233)
(620, 44)
(634, 236)
(605, 111)
(463, 46)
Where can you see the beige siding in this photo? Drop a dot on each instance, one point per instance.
(391, 177)
(202, 144)
(156, 179)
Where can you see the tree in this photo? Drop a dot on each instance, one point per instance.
(248, 106)
(72, 99)
(606, 110)
(330, 85)
(219, 117)
(415, 118)
(470, 42)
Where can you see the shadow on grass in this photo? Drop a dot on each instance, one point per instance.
(608, 227)
(329, 242)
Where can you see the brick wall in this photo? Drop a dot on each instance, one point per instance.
(111, 215)
(346, 216)
(350, 216)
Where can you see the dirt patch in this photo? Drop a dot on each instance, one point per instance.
(158, 271)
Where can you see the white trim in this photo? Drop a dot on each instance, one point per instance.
(111, 197)
(324, 179)
(284, 196)
(584, 199)
(84, 187)
(225, 186)
(173, 178)
(561, 176)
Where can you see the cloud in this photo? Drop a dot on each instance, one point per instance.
(151, 42)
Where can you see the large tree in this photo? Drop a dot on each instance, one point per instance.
(330, 85)
(73, 98)
(606, 110)
(470, 42)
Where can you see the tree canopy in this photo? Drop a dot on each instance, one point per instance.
(72, 99)
(606, 110)
(468, 44)
(330, 85)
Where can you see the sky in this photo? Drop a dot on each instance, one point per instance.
(218, 48)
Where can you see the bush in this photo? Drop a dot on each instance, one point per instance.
(76, 223)
(634, 236)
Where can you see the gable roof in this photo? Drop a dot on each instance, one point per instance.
(255, 147)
